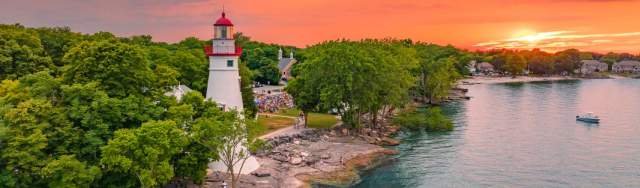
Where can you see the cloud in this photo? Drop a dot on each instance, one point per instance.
(559, 40)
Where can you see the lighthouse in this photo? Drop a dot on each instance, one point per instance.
(223, 86)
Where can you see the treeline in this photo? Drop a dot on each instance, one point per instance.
(515, 62)
(80, 110)
(262, 58)
(364, 80)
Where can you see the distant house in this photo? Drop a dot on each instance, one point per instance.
(485, 67)
(285, 65)
(591, 66)
(626, 67)
(178, 91)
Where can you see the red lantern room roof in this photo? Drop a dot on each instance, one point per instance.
(223, 21)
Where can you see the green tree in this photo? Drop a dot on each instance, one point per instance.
(21, 53)
(231, 138)
(268, 74)
(121, 69)
(145, 152)
(515, 64)
(57, 41)
(193, 69)
(67, 171)
(354, 78)
(246, 88)
(567, 61)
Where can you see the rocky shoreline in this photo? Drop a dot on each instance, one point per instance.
(317, 156)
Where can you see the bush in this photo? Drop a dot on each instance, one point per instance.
(430, 120)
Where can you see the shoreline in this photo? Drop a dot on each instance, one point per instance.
(498, 80)
(327, 157)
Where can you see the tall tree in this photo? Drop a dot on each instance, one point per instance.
(515, 64)
(120, 68)
(145, 152)
(21, 53)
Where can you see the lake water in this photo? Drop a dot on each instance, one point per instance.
(525, 135)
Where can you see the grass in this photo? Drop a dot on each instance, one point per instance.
(315, 120)
(321, 121)
(273, 123)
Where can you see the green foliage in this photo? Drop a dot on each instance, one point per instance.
(89, 111)
(429, 120)
(145, 152)
(567, 60)
(515, 64)
(67, 171)
(121, 69)
(540, 62)
(261, 58)
(354, 77)
(21, 53)
(246, 87)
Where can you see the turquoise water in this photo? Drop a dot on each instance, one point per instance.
(525, 135)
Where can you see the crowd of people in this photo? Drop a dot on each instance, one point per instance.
(273, 102)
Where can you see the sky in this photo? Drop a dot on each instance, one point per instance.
(551, 25)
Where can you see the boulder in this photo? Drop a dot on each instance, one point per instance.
(280, 157)
(304, 154)
(295, 160)
(390, 141)
(311, 159)
(345, 131)
(261, 173)
(325, 156)
(369, 139)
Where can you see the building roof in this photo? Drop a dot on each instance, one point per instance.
(591, 62)
(223, 21)
(284, 62)
(178, 91)
(628, 63)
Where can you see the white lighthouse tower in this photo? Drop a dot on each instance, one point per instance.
(224, 79)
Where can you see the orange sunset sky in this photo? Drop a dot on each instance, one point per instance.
(552, 25)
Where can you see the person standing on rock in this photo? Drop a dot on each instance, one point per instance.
(301, 119)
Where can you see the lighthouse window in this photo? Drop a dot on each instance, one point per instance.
(229, 63)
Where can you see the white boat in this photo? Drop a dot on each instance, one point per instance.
(588, 117)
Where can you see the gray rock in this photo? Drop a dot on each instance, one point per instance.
(311, 159)
(261, 173)
(295, 160)
(215, 177)
(280, 157)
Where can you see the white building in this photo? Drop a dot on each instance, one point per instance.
(178, 91)
(224, 79)
(626, 67)
(591, 66)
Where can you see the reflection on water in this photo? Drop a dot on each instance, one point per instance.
(526, 135)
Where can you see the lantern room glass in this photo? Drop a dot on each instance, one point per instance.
(223, 32)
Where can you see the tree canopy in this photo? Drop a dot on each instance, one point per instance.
(81, 110)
